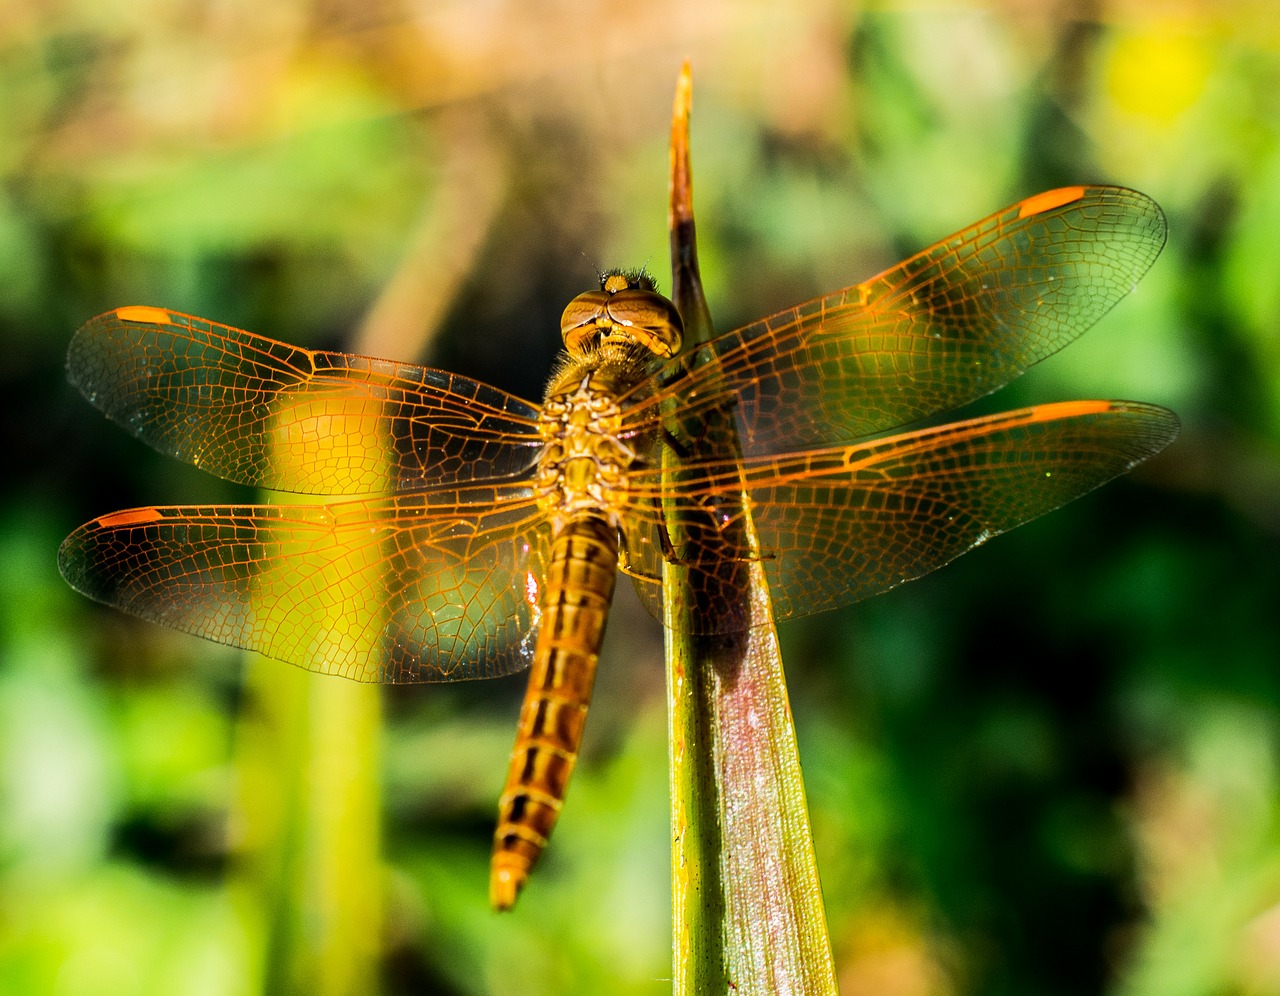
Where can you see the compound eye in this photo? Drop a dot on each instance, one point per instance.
(580, 321)
(650, 318)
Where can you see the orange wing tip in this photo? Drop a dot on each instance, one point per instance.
(1049, 200)
(141, 313)
(504, 886)
(132, 517)
(1070, 409)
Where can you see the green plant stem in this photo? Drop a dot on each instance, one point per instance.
(310, 881)
(746, 901)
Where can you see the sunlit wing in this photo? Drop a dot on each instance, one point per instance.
(435, 586)
(260, 412)
(838, 525)
(949, 325)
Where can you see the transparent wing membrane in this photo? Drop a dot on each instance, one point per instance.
(839, 525)
(947, 326)
(259, 412)
(434, 586)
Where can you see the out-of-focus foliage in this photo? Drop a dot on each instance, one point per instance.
(1051, 768)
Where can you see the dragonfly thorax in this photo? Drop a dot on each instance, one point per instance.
(584, 458)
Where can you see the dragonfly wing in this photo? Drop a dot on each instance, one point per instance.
(839, 525)
(433, 586)
(260, 412)
(950, 324)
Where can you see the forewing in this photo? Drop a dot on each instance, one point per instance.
(260, 412)
(949, 325)
(838, 525)
(433, 586)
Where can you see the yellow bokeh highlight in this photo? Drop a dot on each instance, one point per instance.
(1158, 73)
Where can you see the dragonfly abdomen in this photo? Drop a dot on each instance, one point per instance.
(579, 589)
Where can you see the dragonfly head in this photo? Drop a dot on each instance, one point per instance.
(626, 308)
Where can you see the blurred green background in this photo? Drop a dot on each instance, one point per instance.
(1052, 768)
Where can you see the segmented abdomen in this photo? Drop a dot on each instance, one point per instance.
(579, 587)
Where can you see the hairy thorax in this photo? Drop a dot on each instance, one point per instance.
(585, 457)
(613, 337)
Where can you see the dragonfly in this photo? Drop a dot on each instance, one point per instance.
(469, 533)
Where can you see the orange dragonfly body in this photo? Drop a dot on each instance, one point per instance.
(480, 534)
